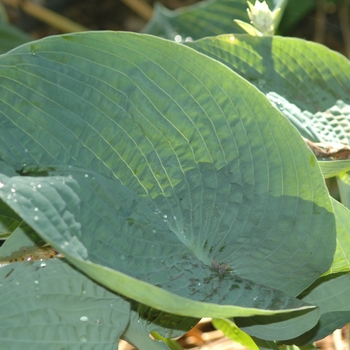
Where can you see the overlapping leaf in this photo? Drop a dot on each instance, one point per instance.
(332, 297)
(343, 181)
(9, 221)
(203, 19)
(160, 167)
(48, 304)
(334, 167)
(306, 81)
(10, 35)
(22, 242)
(341, 261)
(295, 12)
(233, 332)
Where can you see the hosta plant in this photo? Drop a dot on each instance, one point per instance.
(146, 184)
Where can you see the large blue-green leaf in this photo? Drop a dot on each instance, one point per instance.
(160, 167)
(49, 305)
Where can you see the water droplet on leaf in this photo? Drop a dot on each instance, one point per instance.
(83, 339)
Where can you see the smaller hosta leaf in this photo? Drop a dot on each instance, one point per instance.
(165, 324)
(171, 343)
(332, 296)
(329, 322)
(334, 167)
(311, 89)
(343, 181)
(207, 18)
(9, 220)
(295, 11)
(314, 82)
(276, 327)
(139, 328)
(265, 344)
(302, 120)
(332, 124)
(11, 36)
(3, 13)
(50, 305)
(234, 333)
(341, 261)
(24, 245)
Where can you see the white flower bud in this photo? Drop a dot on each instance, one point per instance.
(262, 18)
